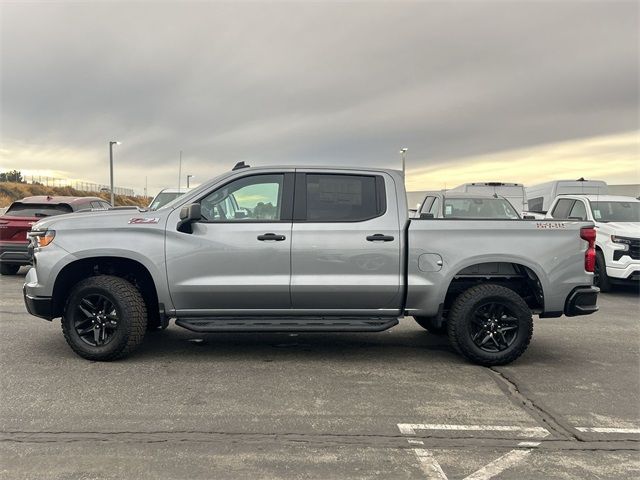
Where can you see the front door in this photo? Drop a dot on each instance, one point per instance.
(345, 250)
(237, 258)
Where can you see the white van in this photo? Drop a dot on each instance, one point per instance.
(541, 196)
(514, 192)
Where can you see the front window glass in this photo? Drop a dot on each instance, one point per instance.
(578, 211)
(250, 198)
(616, 211)
(486, 208)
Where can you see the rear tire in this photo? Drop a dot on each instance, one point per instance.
(9, 269)
(490, 325)
(105, 318)
(431, 325)
(601, 279)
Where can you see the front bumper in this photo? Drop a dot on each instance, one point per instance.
(15, 254)
(582, 301)
(38, 306)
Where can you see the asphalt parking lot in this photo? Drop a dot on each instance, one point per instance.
(398, 404)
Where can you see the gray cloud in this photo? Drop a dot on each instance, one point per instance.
(329, 83)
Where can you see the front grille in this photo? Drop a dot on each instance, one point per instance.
(633, 251)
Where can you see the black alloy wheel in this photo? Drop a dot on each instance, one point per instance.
(95, 320)
(494, 327)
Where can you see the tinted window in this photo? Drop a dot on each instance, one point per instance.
(249, 198)
(578, 211)
(18, 209)
(561, 210)
(535, 204)
(344, 198)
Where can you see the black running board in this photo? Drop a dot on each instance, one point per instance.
(287, 324)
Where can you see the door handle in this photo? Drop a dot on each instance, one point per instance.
(378, 237)
(271, 236)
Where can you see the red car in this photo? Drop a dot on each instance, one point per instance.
(22, 214)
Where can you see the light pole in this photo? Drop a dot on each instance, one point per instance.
(403, 151)
(188, 177)
(111, 144)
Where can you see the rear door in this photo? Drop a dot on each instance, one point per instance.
(345, 250)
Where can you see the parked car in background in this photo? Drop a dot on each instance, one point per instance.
(617, 221)
(16, 222)
(514, 192)
(456, 205)
(165, 196)
(541, 196)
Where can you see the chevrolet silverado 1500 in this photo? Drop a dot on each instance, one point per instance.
(280, 249)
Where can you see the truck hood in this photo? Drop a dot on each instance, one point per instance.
(99, 219)
(623, 229)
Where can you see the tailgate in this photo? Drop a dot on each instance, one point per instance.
(15, 229)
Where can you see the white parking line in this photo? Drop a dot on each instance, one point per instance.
(410, 428)
(607, 430)
(499, 465)
(429, 464)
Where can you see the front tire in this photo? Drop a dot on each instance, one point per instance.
(105, 318)
(431, 325)
(600, 277)
(9, 269)
(490, 325)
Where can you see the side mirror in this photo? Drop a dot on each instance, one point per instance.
(426, 216)
(529, 217)
(188, 215)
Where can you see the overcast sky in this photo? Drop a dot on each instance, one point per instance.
(520, 91)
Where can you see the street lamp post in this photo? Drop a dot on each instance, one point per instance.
(188, 177)
(111, 144)
(403, 151)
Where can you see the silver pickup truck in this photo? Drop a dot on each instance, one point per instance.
(285, 249)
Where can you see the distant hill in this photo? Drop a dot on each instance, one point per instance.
(12, 191)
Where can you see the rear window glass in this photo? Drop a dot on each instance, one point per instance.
(487, 208)
(343, 198)
(18, 209)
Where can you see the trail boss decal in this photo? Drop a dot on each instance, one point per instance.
(141, 220)
(551, 225)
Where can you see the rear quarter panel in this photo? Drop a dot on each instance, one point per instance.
(553, 250)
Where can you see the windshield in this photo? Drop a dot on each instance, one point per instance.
(18, 209)
(497, 208)
(163, 198)
(616, 211)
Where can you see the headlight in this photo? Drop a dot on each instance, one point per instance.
(624, 241)
(42, 239)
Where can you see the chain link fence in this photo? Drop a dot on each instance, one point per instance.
(77, 184)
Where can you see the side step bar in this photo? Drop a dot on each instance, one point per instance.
(287, 324)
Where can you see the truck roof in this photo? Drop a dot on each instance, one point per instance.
(325, 167)
(601, 198)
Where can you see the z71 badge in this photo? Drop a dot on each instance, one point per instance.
(141, 220)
